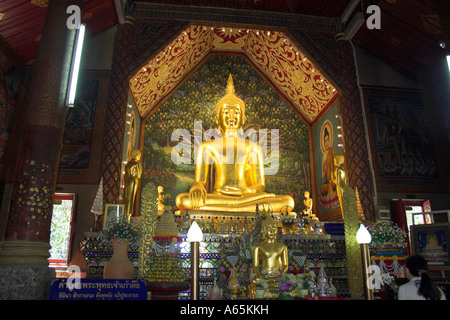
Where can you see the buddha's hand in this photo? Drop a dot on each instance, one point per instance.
(233, 190)
(197, 195)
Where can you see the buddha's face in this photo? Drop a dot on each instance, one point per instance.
(270, 231)
(230, 117)
(326, 141)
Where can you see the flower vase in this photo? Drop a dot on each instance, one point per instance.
(119, 266)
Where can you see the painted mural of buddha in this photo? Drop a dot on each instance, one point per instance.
(239, 181)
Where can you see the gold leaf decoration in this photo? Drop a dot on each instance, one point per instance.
(40, 3)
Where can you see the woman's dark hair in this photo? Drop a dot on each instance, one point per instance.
(418, 267)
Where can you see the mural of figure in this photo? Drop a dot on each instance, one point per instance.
(133, 172)
(328, 197)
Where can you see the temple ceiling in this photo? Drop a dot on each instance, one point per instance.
(288, 69)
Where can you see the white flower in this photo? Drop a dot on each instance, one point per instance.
(292, 277)
(264, 284)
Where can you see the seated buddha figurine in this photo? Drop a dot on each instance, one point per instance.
(239, 182)
(269, 258)
(308, 202)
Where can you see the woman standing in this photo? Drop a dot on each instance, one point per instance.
(420, 285)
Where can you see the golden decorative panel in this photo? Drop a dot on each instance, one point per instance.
(164, 72)
(271, 52)
(40, 3)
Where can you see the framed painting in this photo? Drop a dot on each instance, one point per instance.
(113, 211)
(431, 242)
(402, 141)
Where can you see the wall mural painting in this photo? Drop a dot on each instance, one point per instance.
(78, 132)
(195, 100)
(326, 140)
(402, 138)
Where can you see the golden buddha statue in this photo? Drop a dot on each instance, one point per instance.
(239, 167)
(269, 258)
(340, 178)
(160, 200)
(133, 172)
(308, 202)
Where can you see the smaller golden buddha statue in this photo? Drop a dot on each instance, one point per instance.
(133, 172)
(160, 200)
(308, 202)
(270, 258)
(341, 179)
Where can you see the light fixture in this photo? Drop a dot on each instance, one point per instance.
(349, 10)
(75, 69)
(363, 236)
(195, 236)
(448, 62)
(353, 26)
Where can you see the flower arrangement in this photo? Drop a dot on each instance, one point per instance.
(306, 280)
(245, 246)
(287, 283)
(388, 280)
(290, 285)
(121, 229)
(386, 231)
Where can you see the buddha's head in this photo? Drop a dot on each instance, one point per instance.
(230, 110)
(135, 154)
(326, 139)
(269, 228)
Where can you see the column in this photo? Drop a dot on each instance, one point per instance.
(114, 126)
(357, 150)
(24, 272)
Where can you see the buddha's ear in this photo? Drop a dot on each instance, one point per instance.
(244, 118)
(217, 119)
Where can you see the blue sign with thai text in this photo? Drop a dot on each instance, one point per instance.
(98, 289)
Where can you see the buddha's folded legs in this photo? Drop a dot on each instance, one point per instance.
(246, 203)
